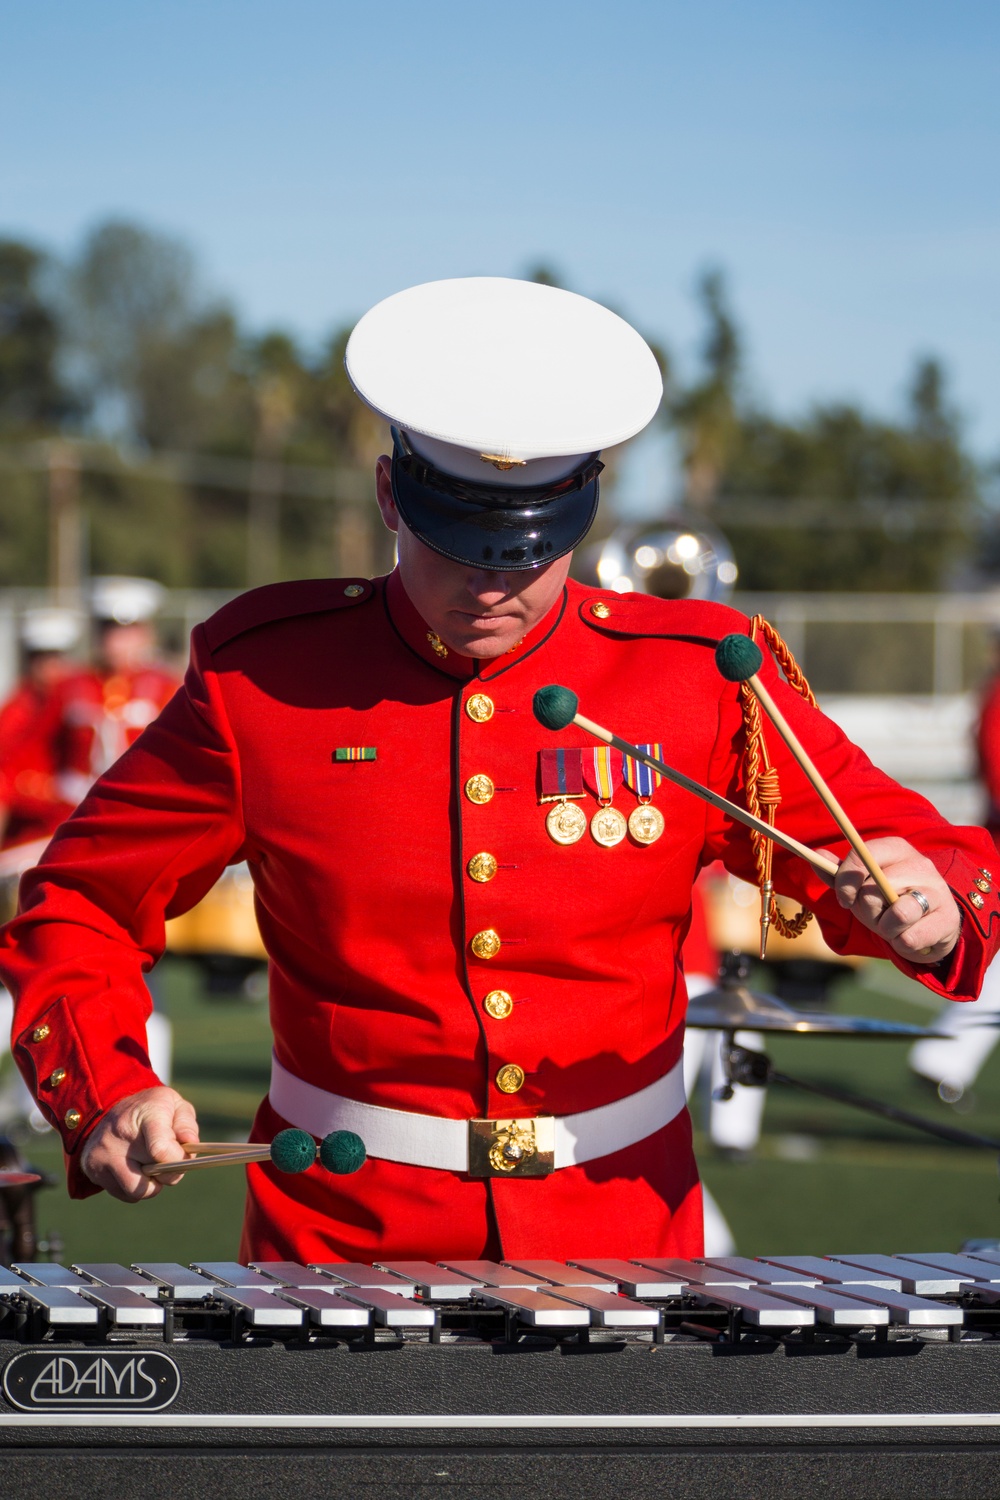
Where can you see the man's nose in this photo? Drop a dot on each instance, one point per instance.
(488, 587)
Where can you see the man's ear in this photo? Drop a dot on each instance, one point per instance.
(383, 492)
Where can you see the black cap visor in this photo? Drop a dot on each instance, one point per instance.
(492, 526)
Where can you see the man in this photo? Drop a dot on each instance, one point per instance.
(104, 710)
(31, 806)
(952, 1063)
(459, 970)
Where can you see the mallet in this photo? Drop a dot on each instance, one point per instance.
(556, 707)
(739, 660)
(341, 1152)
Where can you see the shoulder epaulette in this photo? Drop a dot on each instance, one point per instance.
(282, 601)
(693, 620)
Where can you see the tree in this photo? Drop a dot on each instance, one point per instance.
(32, 395)
(706, 413)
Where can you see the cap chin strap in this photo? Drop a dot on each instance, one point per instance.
(494, 496)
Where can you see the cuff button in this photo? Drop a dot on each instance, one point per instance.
(40, 1033)
(72, 1118)
(56, 1077)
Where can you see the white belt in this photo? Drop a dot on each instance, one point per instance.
(526, 1148)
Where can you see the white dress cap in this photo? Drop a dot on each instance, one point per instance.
(50, 629)
(127, 601)
(483, 370)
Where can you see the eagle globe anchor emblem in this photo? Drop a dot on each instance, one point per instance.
(512, 1145)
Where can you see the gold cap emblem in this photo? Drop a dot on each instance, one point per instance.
(479, 708)
(486, 944)
(502, 462)
(437, 644)
(510, 1078)
(482, 867)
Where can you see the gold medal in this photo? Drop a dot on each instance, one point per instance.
(646, 823)
(608, 827)
(565, 822)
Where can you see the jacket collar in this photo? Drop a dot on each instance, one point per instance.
(417, 636)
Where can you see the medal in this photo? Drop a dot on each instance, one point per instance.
(608, 826)
(560, 774)
(566, 822)
(603, 769)
(646, 823)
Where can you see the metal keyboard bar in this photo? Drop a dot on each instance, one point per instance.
(965, 1267)
(327, 1309)
(536, 1309)
(633, 1280)
(993, 1256)
(48, 1273)
(261, 1309)
(695, 1272)
(607, 1310)
(555, 1273)
(911, 1279)
(759, 1272)
(353, 1273)
(62, 1307)
(837, 1306)
(762, 1309)
(822, 1269)
(491, 1273)
(9, 1282)
(124, 1308)
(181, 1282)
(909, 1310)
(228, 1273)
(432, 1282)
(109, 1273)
(390, 1309)
(284, 1273)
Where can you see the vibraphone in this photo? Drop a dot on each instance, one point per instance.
(861, 1374)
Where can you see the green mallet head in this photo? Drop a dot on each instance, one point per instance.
(293, 1151)
(738, 657)
(554, 706)
(342, 1152)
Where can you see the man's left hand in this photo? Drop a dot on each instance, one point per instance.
(918, 936)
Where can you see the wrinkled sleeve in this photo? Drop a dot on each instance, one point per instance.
(879, 808)
(150, 839)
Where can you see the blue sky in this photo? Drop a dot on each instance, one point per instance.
(839, 160)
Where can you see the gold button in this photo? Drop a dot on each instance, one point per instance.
(982, 885)
(976, 900)
(486, 944)
(498, 1004)
(510, 1078)
(40, 1033)
(479, 708)
(987, 873)
(482, 867)
(479, 788)
(72, 1118)
(600, 610)
(56, 1077)
(353, 590)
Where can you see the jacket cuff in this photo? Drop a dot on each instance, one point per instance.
(960, 976)
(56, 1066)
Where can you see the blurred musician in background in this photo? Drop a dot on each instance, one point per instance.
(31, 804)
(953, 1064)
(474, 924)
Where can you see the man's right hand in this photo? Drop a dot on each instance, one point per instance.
(149, 1126)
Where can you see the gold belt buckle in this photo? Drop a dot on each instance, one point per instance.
(512, 1148)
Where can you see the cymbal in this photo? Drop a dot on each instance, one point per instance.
(734, 1007)
(18, 1179)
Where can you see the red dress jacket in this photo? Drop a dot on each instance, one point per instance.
(368, 912)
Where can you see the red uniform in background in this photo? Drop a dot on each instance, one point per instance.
(988, 747)
(390, 941)
(102, 713)
(30, 740)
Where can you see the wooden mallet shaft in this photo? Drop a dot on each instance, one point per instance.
(784, 840)
(192, 1162)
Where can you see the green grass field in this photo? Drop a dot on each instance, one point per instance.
(825, 1178)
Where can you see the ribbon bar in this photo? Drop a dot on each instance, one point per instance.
(560, 774)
